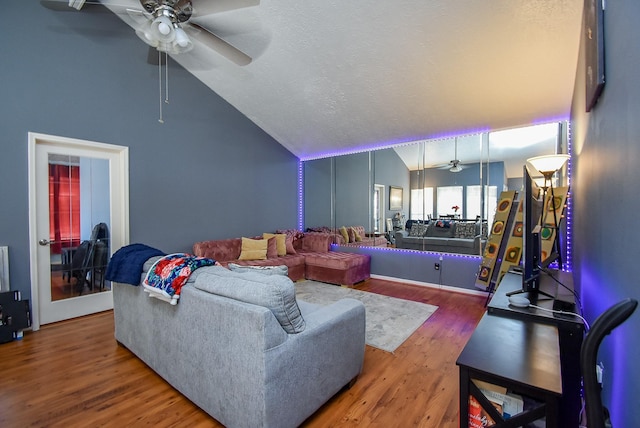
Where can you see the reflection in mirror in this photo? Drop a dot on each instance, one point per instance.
(79, 210)
(457, 178)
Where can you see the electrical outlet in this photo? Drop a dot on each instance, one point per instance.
(599, 372)
(436, 266)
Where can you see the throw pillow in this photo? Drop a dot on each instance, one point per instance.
(289, 245)
(272, 248)
(352, 236)
(356, 235)
(465, 230)
(265, 270)
(418, 229)
(281, 241)
(253, 249)
(345, 234)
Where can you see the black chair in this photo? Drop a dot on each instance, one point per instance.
(607, 321)
(99, 254)
(80, 265)
(100, 261)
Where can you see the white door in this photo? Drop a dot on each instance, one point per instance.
(78, 200)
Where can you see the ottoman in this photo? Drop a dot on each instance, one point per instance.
(337, 268)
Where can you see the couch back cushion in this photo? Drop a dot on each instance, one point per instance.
(222, 250)
(316, 242)
(441, 229)
(274, 292)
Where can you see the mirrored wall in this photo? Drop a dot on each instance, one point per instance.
(447, 180)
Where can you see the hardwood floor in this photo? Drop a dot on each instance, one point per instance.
(74, 374)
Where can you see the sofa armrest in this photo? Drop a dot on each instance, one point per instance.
(400, 235)
(344, 310)
(314, 365)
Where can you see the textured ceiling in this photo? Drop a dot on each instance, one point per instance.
(332, 76)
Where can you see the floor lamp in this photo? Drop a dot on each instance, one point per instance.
(548, 166)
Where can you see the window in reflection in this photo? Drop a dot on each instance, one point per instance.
(421, 204)
(450, 201)
(474, 205)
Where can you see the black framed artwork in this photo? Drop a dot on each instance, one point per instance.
(395, 198)
(594, 50)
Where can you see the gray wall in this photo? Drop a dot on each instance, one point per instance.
(606, 148)
(207, 172)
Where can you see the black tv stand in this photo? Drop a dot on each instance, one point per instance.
(533, 294)
(570, 329)
(532, 287)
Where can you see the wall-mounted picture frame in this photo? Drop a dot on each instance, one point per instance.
(395, 198)
(594, 50)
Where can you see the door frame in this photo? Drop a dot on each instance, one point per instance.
(119, 193)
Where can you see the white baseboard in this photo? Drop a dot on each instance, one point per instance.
(431, 285)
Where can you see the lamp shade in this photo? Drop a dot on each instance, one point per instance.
(549, 164)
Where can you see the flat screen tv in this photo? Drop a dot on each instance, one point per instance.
(532, 207)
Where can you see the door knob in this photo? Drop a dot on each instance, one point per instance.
(44, 242)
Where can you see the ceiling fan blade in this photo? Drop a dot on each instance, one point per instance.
(209, 39)
(63, 6)
(139, 16)
(208, 7)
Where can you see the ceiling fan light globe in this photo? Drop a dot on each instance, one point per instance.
(182, 39)
(147, 37)
(162, 29)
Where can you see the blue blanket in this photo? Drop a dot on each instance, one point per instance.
(126, 264)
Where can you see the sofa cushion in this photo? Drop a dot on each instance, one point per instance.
(344, 234)
(253, 249)
(289, 245)
(275, 292)
(272, 248)
(441, 229)
(418, 229)
(219, 250)
(265, 270)
(356, 235)
(281, 241)
(466, 230)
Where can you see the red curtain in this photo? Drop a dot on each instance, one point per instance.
(64, 207)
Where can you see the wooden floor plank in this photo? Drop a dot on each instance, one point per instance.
(73, 373)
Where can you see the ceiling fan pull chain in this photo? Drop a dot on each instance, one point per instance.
(166, 77)
(160, 83)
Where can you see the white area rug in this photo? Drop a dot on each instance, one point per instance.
(389, 321)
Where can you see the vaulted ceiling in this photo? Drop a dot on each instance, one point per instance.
(329, 76)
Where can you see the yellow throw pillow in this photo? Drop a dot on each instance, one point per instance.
(253, 249)
(345, 234)
(281, 242)
(356, 234)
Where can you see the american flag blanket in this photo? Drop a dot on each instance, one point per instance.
(167, 275)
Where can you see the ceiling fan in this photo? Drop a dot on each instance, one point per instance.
(454, 165)
(170, 26)
(167, 25)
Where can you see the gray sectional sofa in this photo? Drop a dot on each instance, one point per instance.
(241, 347)
(447, 236)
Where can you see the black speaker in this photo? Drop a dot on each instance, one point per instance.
(15, 315)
